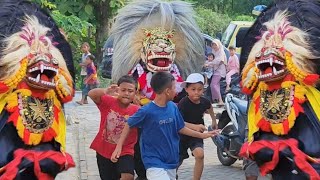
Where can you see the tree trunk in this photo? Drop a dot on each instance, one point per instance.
(103, 13)
(232, 5)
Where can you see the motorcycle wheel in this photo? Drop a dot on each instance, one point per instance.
(224, 158)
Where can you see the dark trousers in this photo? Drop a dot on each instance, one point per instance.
(112, 171)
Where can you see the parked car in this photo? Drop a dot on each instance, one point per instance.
(234, 34)
(106, 63)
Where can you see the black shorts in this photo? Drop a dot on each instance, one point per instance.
(112, 171)
(187, 142)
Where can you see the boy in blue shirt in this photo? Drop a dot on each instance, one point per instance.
(161, 123)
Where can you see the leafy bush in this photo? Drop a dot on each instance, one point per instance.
(76, 31)
(244, 18)
(211, 22)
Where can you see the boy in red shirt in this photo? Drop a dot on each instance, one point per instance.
(114, 114)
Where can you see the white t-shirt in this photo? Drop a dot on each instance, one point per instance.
(84, 69)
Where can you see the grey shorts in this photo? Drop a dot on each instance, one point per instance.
(250, 168)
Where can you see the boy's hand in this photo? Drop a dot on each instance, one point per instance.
(112, 90)
(116, 154)
(209, 134)
(214, 125)
(200, 127)
(136, 99)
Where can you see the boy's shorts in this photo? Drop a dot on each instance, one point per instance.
(161, 174)
(250, 168)
(112, 171)
(187, 142)
(87, 88)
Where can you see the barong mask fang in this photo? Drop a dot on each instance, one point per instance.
(158, 52)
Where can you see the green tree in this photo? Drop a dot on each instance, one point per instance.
(45, 3)
(231, 7)
(211, 22)
(98, 13)
(76, 31)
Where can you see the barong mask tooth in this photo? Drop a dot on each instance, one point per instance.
(42, 66)
(158, 52)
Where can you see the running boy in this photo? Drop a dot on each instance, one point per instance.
(161, 123)
(192, 108)
(114, 114)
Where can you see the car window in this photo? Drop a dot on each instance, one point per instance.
(228, 34)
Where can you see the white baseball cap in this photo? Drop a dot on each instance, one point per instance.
(193, 78)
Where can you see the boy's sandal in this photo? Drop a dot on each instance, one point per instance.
(79, 102)
(220, 105)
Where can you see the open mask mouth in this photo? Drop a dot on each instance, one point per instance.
(271, 65)
(41, 75)
(160, 61)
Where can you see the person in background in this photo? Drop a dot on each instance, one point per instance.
(114, 114)
(232, 67)
(192, 109)
(91, 79)
(219, 70)
(208, 70)
(160, 122)
(85, 48)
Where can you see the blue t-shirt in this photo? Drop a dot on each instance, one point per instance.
(159, 140)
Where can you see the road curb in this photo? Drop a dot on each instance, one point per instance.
(82, 155)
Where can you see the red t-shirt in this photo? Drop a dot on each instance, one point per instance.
(113, 119)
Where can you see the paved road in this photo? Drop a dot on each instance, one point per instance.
(84, 127)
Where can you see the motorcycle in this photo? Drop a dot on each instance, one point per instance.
(232, 122)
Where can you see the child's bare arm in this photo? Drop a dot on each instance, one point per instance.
(196, 127)
(117, 152)
(95, 94)
(90, 77)
(213, 118)
(189, 132)
(82, 64)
